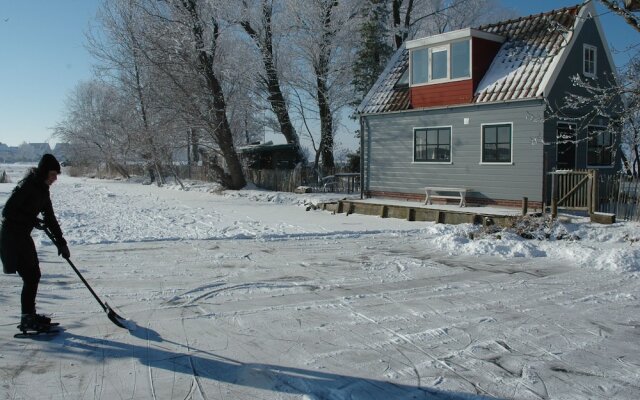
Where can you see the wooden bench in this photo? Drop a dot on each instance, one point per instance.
(462, 194)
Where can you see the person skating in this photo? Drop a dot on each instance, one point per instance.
(29, 199)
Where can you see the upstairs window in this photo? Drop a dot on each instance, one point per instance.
(590, 54)
(419, 70)
(439, 62)
(442, 62)
(600, 147)
(403, 81)
(460, 56)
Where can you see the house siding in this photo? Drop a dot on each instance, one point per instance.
(442, 94)
(563, 85)
(389, 165)
(483, 53)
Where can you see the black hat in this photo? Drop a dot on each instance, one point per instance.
(48, 163)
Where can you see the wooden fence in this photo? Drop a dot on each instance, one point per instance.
(590, 191)
(282, 180)
(574, 190)
(620, 195)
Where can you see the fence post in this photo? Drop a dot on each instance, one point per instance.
(590, 192)
(554, 195)
(525, 205)
(595, 202)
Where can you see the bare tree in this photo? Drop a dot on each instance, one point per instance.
(117, 48)
(96, 119)
(411, 18)
(261, 32)
(325, 43)
(626, 10)
(181, 39)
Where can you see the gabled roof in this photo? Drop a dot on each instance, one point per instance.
(525, 66)
(41, 147)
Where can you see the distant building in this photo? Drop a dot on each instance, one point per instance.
(39, 149)
(62, 151)
(5, 153)
(270, 156)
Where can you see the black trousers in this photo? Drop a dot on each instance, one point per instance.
(18, 253)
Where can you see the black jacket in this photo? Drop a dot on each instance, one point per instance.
(19, 215)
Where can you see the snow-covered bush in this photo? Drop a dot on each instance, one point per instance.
(538, 227)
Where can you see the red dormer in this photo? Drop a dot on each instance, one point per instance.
(446, 69)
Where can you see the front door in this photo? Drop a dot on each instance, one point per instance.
(566, 145)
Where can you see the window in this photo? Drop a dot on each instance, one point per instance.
(442, 62)
(439, 63)
(589, 60)
(432, 144)
(419, 66)
(460, 65)
(496, 143)
(404, 80)
(600, 147)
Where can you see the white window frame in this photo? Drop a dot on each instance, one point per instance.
(439, 49)
(594, 49)
(613, 161)
(413, 147)
(411, 66)
(430, 80)
(509, 163)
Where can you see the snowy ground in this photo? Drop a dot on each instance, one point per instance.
(246, 295)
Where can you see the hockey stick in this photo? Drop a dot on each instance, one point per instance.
(115, 318)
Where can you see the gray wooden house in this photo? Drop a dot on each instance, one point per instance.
(471, 108)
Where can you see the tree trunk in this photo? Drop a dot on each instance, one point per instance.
(155, 162)
(326, 126)
(324, 107)
(222, 131)
(401, 28)
(276, 97)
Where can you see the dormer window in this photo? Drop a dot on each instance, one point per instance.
(403, 82)
(460, 55)
(445, 57)
(441, 63)
(419, 63)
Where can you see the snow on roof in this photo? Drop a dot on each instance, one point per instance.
(520, 69)
(386, 95)
(524, 60)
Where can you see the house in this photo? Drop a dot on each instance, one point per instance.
(39, 149)
(63, 152)
(5, 153)
(472, 108)
(270, 156)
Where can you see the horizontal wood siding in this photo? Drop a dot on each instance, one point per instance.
(564, 85)
(442, 94)
(483, 53)
(389, 165)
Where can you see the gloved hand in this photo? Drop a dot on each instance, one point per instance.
(64, 251)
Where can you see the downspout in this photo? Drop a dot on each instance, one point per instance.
(361, 157)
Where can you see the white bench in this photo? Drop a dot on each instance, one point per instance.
(430, 190)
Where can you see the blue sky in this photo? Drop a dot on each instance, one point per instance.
(42, 58)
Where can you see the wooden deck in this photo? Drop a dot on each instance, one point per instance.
(414, 211)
